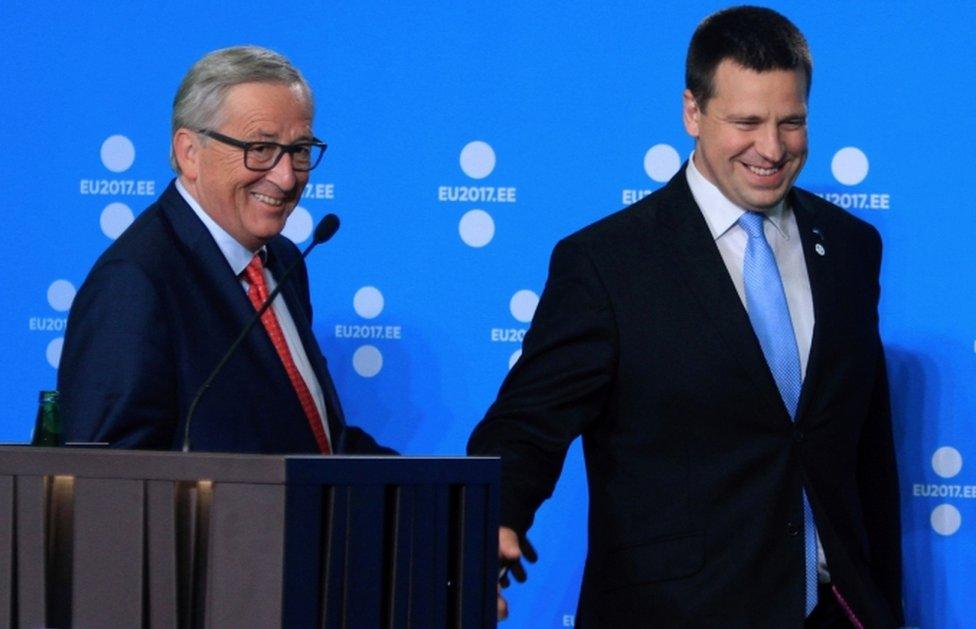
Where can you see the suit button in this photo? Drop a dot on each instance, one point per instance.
(792, 529)
(797, 435)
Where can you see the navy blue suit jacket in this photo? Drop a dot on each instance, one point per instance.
(154, 316)
(641, 344)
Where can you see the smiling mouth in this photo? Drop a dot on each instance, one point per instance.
(763, 172)
(268, 200)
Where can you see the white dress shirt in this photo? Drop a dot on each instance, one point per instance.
(238, 257)
(722, 217)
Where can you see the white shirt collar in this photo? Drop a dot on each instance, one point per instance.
(720, 213)
(238, 256)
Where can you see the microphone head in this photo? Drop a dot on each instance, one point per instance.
(326, 229)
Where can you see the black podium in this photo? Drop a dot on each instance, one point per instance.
(113, 538)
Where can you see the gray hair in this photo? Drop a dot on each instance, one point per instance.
(200, 98)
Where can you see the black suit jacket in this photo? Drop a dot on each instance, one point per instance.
(641, 344)
(156, 313)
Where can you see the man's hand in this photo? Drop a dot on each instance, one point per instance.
(510, 552)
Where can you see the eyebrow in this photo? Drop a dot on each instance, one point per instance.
(745, 118)
(751, 118)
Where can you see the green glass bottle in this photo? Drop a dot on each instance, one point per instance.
(47, 428)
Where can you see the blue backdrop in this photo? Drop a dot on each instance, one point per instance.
(465, 139)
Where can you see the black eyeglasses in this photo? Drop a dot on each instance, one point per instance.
(261, 156)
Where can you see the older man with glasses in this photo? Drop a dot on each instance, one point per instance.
(163, 304)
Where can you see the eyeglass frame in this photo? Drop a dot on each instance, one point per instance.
(282, 149)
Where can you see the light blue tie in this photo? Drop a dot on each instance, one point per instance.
(770, 317)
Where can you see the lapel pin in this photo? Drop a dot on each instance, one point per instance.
(819, 248)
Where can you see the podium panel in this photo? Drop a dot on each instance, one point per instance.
(112, 538)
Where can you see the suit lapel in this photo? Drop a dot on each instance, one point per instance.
(812, 235)
(209, 263)
(213, 271)
(300, 315)
(701, 267)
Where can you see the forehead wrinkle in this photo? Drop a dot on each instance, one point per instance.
(268, 117)
(757, 111)
(262, 128)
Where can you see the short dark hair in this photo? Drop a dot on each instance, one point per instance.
(756, 38)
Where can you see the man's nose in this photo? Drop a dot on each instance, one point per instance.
(283, 173)
(769, 143)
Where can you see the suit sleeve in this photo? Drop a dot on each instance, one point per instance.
(878, 483)
(557, 388)
(115, 375)
(358, 441)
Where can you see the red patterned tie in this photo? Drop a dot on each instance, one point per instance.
(257, 293)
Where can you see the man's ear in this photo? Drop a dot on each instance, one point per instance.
(691, 114)
(186, 149)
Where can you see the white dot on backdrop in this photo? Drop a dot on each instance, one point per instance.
(60, 294)
(118, 153)
(477, 159)
(477, 228)
(522, 305)
(945, 519)
(947, 462)
(298, 227)
(514, 358)
(115, 219)
(849, 166)
(53, 351)
(368, 302)
(661, 162)
(367, 361)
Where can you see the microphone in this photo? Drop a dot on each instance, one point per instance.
(324, 231)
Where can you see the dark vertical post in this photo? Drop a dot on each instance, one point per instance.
(7, 576)
(161, 571)
(303, 569)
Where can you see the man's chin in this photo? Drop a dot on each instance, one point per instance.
(762, 200)
(271, 233)
(267, 230)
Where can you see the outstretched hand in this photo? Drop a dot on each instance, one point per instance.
(511, 551)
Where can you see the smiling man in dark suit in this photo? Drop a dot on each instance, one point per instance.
(167, 299)
(716, 345)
